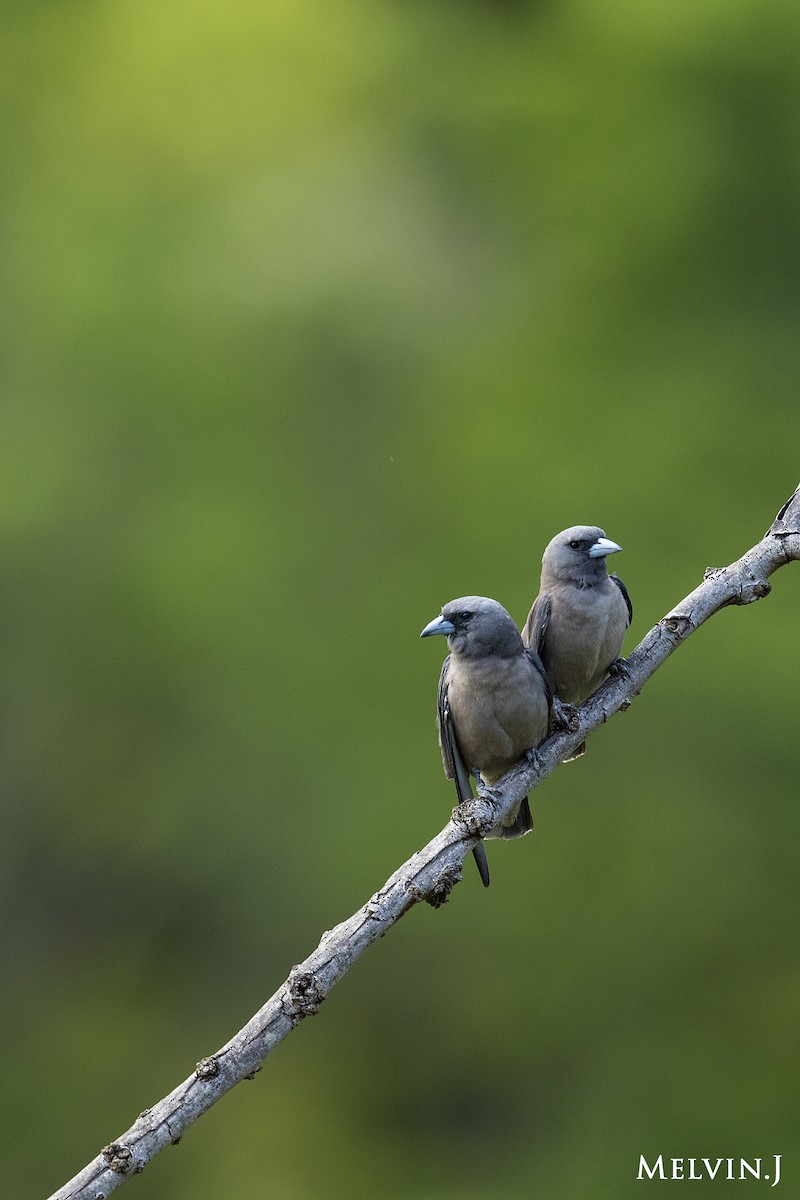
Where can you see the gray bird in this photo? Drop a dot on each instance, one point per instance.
(578, 621)
(494, 702)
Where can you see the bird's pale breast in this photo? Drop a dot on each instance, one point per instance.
(499, 711)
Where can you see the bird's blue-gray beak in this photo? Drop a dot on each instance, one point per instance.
(438, 625)
(602, 547)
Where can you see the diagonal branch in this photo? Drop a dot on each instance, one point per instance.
(428, 875)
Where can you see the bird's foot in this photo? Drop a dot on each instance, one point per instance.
(565, 716)
(620, 668)
(484, 791)
(534, 758)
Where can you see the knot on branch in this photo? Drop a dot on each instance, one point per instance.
(439, 891)
(754, 589)
(471, 816)
(303, 995)
(120, 1159)
(677, 624)
(207, 1068)
(748, 590)
(443, 885)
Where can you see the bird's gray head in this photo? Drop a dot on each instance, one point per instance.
(578, 555)
(476, 626)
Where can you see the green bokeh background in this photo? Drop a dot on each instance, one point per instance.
(315, 317)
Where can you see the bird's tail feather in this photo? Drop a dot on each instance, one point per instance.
(523, 823)
(479, 855)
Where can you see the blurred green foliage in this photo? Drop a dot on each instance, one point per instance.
(316, 317)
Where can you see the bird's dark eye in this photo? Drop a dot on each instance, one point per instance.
(465, 616)
(575, 545)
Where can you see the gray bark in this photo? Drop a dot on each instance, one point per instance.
(428, 875)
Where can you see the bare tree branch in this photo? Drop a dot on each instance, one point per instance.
(430, 874)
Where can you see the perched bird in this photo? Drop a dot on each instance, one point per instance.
(494, 702)
(578, 621)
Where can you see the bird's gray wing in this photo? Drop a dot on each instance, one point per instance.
(625, 595)
(535, 629)
(453, 763)
(533, 657)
